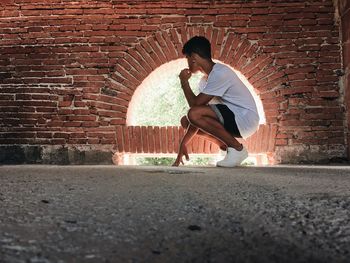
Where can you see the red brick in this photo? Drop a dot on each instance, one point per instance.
(161, 42)
(195, 144)
(267, 134)
(146, 57)
(239, 52)
(137, 57)
(64, 103)
(126, 139)
(281, 142)
(157, 140)
(119, 121)
(232, 49)
(119, 136)
(201, 148)
(112, 114)
(164, 141)
(77, 135)
(61, 135)
(81, 118)
(172, 49)
(133, 140)
(128, 77)
(78, 141)
(72, 124)
(157, 50)
(138, 137)
(150, 133)
(170, 139)
(90, 124)
(144, 136)
(206, 146)
(176, 139)
(214, 148)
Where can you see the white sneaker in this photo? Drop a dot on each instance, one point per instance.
(233, 157)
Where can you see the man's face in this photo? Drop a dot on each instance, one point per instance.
(192, 63)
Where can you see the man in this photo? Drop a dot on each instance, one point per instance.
(223, 110)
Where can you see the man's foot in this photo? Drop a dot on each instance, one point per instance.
(233, 157)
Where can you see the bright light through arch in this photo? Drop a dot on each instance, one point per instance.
(159, 101)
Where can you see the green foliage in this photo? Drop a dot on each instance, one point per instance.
(163, 104)
(167, 161)
(201, 160)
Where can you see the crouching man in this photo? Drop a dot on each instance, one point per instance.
(223, 110)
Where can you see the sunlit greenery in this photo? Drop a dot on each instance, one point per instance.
(166, 161)
(163, 104)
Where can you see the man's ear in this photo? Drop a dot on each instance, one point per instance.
(195, 56)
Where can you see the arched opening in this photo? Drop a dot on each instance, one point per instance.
(159, 101)
(155, 55)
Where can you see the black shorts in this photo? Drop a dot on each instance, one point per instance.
(227, 118)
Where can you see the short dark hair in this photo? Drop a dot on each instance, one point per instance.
(199, 45)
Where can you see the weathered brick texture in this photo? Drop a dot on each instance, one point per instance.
(344, 12)
(68, 70)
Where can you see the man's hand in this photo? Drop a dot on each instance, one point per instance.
(185, 74)
(181, 154)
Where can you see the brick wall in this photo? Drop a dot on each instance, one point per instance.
(344, 11)
(69, 69)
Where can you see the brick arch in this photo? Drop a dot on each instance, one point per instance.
(153, 51)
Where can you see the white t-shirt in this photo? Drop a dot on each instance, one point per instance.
(223, 83)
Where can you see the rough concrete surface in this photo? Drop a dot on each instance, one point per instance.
(165, 214)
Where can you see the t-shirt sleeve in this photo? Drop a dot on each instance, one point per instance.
(202, 84)
(217, 84)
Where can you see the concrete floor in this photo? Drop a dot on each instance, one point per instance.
(165, 214)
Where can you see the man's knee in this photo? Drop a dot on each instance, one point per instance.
(194, 114)
(184, 122)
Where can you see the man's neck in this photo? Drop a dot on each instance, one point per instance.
(207, 66)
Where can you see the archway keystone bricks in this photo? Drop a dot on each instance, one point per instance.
(67, 77)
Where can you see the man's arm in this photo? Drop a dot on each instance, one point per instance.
(190, 132)
(192, 99)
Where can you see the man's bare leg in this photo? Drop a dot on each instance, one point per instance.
(191, 131)
(204, 118)
(207, 136)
